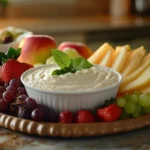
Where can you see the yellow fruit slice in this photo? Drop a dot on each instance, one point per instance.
(97, 56)
(119, 58)
(107, 59)
(127, 47)
(142, 81)
(145, 63)
(133, 61)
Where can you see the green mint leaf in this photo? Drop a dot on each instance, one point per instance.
(79, 64)
(60, 71)
(61, 58)
(10, 53)
(17, 53)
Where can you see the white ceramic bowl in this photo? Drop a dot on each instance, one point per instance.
(72, 101)
(4, 47)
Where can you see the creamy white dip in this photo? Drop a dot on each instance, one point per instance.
(84, 80)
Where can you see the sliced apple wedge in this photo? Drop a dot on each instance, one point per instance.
(142, 81)
(119, 58)
(97, 56)
(145, 63)
(118, 48)
(107, 59)
(133, 61)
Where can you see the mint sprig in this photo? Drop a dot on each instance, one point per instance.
(67, 64)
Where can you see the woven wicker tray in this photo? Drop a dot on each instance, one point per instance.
(72, 130)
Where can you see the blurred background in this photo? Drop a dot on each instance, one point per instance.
(93, 22)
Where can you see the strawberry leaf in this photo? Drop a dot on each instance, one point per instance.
(10, 53)
(13, 53)
(17, 53)
(2, 56)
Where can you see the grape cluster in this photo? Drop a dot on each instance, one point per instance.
(15, 101)
(134, 105)
(9, 92)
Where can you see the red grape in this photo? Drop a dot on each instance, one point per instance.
(21, 98)
(11, 88)
(37, 114)
(23, 113)
(8, 96)
(15, 83)
(30, 104)
(49, 114)
(21, 91)
(3, 105)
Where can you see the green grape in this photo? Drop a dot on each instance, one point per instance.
(121, 102)
(144, 100)
(127, 97)
(50, 60)
(146, 110)
(72, 53)
(124, 115)
(148, 94)
(137, 93)
(130, 107)
(138, 108)
(134, 98)
(137, 112)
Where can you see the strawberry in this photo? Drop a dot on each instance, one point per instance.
(84, 116)
(26, 66)
(109, 113)
(66, 117)
(12, 69)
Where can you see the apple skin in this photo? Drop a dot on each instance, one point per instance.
(36, 48)
(81, 48)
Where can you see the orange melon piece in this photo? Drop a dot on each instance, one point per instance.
(107, 59)
(141, 82)
(98, 55)
(133, 61)
(119, 58)
(145, 63)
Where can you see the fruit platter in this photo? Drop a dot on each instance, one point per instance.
(70, 90)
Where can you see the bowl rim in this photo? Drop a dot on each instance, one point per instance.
(71, 92)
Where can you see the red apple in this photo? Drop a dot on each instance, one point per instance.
(36, 48)
(81, 48)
